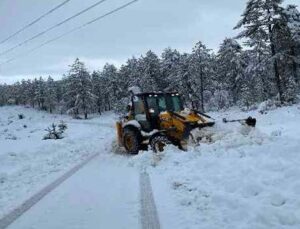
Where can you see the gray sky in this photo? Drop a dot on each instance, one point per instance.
(147, 24)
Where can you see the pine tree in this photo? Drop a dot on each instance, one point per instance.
(170, 68)
(111, 89)
(79, 96)
(258, 21)
(230, 67)
(151, 79)
(40, 93)
(50, 98)
(98, 90)
(291, 24)
(201, 72)
(184, 83)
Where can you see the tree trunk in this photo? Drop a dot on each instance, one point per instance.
(275, 64)
(277, 75)
(202, 91)
(296, 77)
(109, 106)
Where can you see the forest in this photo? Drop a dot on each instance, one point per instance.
(262, 63)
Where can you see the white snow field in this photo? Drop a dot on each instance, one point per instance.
(246, 178)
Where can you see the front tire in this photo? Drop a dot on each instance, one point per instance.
(158, 143)
(131, 141)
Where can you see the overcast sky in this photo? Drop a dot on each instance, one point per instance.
(147, 24)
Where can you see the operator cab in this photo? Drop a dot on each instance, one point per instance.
(148, 106)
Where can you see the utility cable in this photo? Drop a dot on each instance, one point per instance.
(35, 21)
(52, 27)
(71, 31)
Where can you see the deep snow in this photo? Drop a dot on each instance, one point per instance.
(246, 178)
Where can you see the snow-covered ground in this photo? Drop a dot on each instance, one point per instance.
(246, 178)
(103, 194)
(28, 163)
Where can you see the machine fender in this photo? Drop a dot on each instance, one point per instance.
(132, 124)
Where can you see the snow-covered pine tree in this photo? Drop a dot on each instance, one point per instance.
(111, 87)
(291, 25)
(128, 78)
(260, 69)
(23, 92)
(201, 73)
(50, 97)
(98, 89)
(184, 83)
(230, 68)
(30, 93)
(258, 21)
(170, 69)
(251, 86)
(3, 94)
(39, 92)
(79, 96)
(133, 72)
(151, 79)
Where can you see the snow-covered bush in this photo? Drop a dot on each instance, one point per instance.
(62, 126)
(54, 133)
(219, 100)
(266, 106)
(21, 116)
(121, 105)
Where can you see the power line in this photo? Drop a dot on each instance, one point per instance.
(35, 21)
(52, 27)
(71, 31)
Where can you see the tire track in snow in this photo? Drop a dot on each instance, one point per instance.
(149, 216)
(25, 206)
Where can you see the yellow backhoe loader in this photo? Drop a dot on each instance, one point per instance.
(159, 119)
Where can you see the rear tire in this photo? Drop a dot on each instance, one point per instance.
(131, 141)
(159, 142)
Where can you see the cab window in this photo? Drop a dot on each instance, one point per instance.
(138, 106)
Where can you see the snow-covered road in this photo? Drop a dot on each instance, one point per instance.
(97, 196)
(245, 178)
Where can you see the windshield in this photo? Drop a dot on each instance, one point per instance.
(161, 103)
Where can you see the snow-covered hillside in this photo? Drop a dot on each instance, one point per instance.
(28, 163)
(245, 178)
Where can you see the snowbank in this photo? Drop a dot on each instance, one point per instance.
(244, 179)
